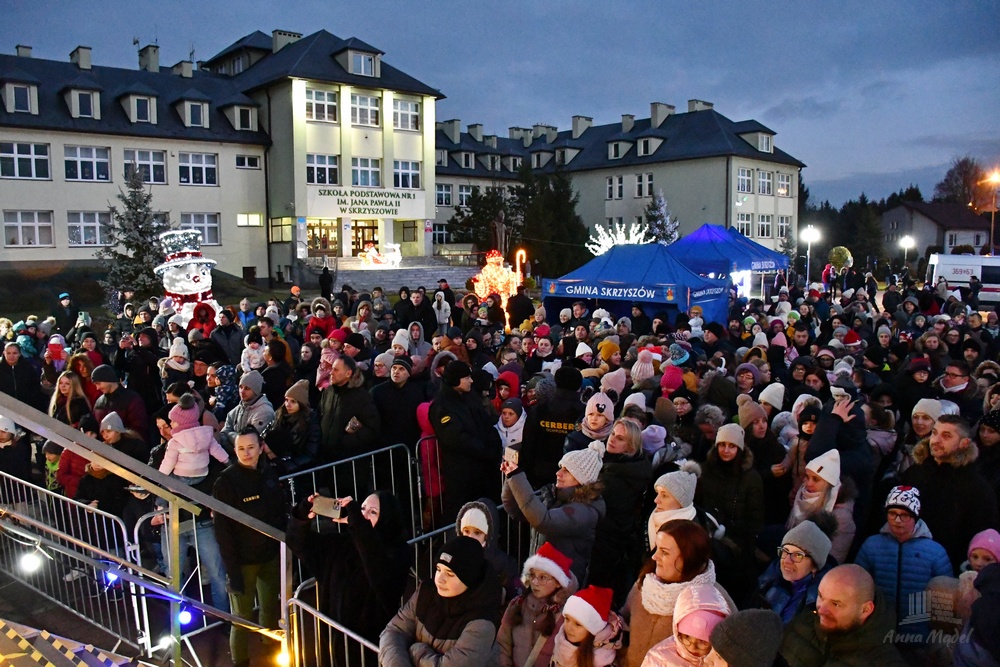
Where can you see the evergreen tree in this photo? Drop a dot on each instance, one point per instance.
(133, 249)
(788, 246)
(869, 236)
(486, 218)
(661, 227)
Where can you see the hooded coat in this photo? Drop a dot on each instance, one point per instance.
(502, 566)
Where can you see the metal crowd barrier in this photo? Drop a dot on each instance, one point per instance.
(316, 640)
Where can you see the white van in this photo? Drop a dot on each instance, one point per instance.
(957, 269)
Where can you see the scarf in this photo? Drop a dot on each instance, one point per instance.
(659, 598)
(807, 504)
(564, 651)
(182, 366)
(657, 519)
(601, 435)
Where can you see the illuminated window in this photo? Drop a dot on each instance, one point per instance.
(405, 115)
(321, 105)
(365, 110)
(784, 185)
(249, 220)
(88, 228)
(27, 228)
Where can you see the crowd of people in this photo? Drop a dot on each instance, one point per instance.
(814, 481)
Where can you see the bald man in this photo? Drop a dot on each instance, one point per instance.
(852, 624)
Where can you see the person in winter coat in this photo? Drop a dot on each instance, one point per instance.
(547, 425)
(698, 610)
(848, 628)
(15, 458)
(137, 360)
(681, 558)
(982, 647)
(251, 558)
(102, 489)
(18, 378)
(360, 572)
(442, 312)
(591, 633)
(674, 499)
(566, 513)
(528, 627)
(69, 403)
(191, 445)
(791, 582)
(468, 443)
(618, 545)
(292, 440)
(349, 421)
(511, 423)
(253, 410)
(228, 336)
(823, 492)
(451, 620)
(945, 462)
(480, 520)
(731, 490)
(767, 452)
(903, 557)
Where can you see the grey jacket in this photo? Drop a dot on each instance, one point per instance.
(258, 414)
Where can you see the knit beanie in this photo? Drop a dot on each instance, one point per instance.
(299, 392)
(185, 414)
(672, 379)
(928, 406)
(552, 562)
(585, 464)
(582, 349)
(454, 372)
(760, 340)
(113, 422)
(884, 330)
(566, 312)
(401, 338)
(732, 433)
(904, 497)
(569, 378)
(749, 410)
(104, 373)
(643, 369)
(615, 381)
(514, 404)
(624, 321)
(607, 349)
(602, 403)
(827, 466)
(590, 608)
(665, 412)
(748, 368)
(252, 381)
(681, 483)
(178, 349)
(749, 638)
(403, 361)
(476, 518)
(808, 537)
(988, 540)
(678, 355)
(638, 399)
(653, 438)
(355, 340)
(464, 556)
(774, 395)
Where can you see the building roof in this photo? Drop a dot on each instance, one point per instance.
(949, 216)
(256, 40)
(54, 78)
(312, 58)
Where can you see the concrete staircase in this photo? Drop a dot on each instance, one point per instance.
(412, 271)
(24, 646)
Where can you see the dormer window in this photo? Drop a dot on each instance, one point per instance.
(493, 161)
(614, 150)
(22, 98)
(515, 163)
(84, 104)
(765, 143)
(468, 160)
(441, 158)
(561, 156)
(143, 110)
(536, 160)
(245, 118)
(197, 114)
(363, 64)
(643, 148)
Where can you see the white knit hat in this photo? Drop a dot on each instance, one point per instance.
(760, 340)
(681, 483)
(733, 433)
(774, 395)
(477, 519)
(585, 464)
(178, 348)
(928, 406)
(827, 466)
(582, 349)
(402, 338)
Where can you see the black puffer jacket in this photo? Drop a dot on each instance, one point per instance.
(336, 407)
(361, 572)
(734, 494)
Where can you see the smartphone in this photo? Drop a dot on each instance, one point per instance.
(510, 455)
(329, 507)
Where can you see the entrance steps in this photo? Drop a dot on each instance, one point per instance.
(412, 272)
(21, 645)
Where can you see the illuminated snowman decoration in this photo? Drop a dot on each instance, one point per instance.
(186, 273)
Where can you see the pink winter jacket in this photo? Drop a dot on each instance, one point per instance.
(188, 452)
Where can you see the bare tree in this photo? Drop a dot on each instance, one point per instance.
(963, 184)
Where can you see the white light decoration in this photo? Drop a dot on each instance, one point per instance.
(31, 562)
(617, 235)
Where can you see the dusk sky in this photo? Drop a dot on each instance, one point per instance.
(872, 96)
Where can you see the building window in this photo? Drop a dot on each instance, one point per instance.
(249, 220)
(322, 169)
(764, 182)
(239, 62)
(24, 160)
(405, 115)
(615, 150)
(784, 226)
(409, 231)
(468, 160)
(321, 105)
(764, 226)
(441, 234)
(515, 163)
(952, 240)
(281, 230)
(764, 143)
(619, 187)
(464, 195)
(744, 224)
(88, 227)
(978, 240)
(244, 118)
(87, 163)
(27, 228)
(744, 180)
(363, 64)
(248, 162)
(441, 158)
(366, 172)
(493, 161)
(784, 185)
(536, 160)
(406, 174)
(443, 194)
(143, 107)
(364, 110)
(84, 104)
(196, 114)
(643, 148)
(206, 223)
(644, 185)
(197, 168)
(22, 99)
(152, 165)
(611, 188)
(561, 156)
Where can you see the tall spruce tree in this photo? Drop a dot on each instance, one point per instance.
(133, 248)
(661, 227)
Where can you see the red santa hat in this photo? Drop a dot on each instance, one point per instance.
(590, 608)
(552, 562)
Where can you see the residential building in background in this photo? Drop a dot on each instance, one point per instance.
(934, 223)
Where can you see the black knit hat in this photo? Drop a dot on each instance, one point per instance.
(749, 638)
(569, 378)
(356, 340)
(464, 556)
(454, 372)
(403, 361)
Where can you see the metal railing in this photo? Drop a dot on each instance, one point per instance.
(317, 640)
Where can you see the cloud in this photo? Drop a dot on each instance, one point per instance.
(806, 107)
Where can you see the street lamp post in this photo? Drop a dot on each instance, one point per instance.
(810, 235)
(906, 243)
(994, 179)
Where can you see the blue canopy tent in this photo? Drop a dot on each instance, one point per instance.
(642, 273)
(713, 249)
